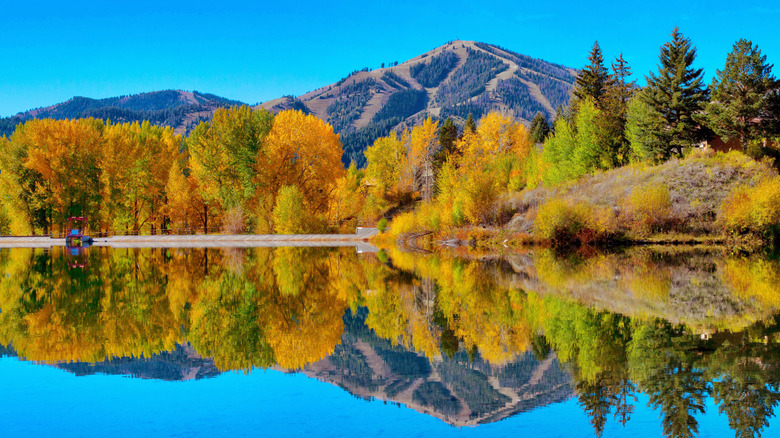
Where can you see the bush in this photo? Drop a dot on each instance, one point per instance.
(753, 210)
(563, 223)
(403, 223)
(650, 209)
(382, 225)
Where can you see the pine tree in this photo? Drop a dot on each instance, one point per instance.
(470, 124)
(677, 94)
(594, 80)
(448, 134)
(742, 95)
(612, 119)
(539, 128)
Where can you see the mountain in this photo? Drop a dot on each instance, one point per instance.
(181, 110)
(454, 80)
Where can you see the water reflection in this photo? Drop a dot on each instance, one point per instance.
(470, 339)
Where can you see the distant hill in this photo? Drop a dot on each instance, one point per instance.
(454, 80)
(181, 110)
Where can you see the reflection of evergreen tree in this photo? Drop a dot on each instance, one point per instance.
(596, 400)
(679, 390)
(664, 362)
(624, 391)
(746, 382)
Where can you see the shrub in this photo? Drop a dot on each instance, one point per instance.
(403, 223)
(753, 210)
(382, 225)
(650, 208)
(563, 223)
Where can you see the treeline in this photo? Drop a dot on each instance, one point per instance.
(243, 171)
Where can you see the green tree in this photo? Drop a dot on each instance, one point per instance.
(448, 134)
(539, 128)
(289, 213)
(471, 125)
(594, 79)
(224, 154)
(742, 94)
(677, 94)
(641, 119)
(611, 122)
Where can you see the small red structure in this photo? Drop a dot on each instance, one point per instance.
(77, 232)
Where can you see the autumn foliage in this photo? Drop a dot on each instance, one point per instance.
(141, 178)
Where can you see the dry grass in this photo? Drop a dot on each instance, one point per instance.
(677, 198)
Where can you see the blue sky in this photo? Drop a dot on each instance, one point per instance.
(256, 51)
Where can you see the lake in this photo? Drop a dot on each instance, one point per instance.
(646, 342)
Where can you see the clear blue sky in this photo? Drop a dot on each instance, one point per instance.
(256, 51)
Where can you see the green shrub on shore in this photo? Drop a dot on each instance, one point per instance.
(382, 225)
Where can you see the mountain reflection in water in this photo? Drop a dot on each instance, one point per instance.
(469, 339)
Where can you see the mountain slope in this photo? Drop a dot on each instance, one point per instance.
(181, 110)
(454, 80)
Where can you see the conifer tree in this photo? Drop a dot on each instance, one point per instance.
(539, 128)
(448, 134)
(594, 80)
(677, 95)
(612, 119)
(470, 124)
(742, 95)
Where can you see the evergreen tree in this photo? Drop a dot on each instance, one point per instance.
(677, 94)
(742, 95)
(470, 124)
(448, 133)
(594, 80)
(539, 128)
(612, 119)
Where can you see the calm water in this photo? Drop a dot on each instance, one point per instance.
(329, 342)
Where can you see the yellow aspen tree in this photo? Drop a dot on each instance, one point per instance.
(303, 151)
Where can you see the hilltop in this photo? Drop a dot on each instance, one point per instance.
(453, 80)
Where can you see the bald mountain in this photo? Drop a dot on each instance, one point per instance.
(181, 110)
(454, 80)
